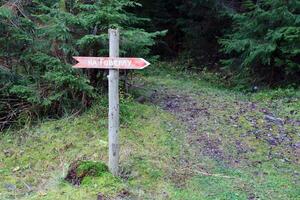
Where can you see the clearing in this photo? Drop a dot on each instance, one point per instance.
(181, 138)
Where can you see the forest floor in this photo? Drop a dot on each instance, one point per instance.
(181, 138)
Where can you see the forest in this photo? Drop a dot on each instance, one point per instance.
(219, 66)
(249, 45)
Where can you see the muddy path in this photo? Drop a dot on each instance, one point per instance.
(229, 130)
(205, 116)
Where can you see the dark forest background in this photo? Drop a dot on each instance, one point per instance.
(247, 43)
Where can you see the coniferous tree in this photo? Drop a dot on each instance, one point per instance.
(38, 39)
(264, 45)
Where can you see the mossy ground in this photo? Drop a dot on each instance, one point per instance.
(232, 150)
(227, 155)
(80, 171)
(35, 160)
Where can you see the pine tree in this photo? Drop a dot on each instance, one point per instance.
(264, 45)
(38, 39)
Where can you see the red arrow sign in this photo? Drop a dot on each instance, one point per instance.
(110, 63)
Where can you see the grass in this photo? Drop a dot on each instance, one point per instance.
(35, 160)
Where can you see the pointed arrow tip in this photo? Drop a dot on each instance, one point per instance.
(146, 63)
(75, 58)
(77, 62)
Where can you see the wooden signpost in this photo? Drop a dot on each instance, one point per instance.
(110, 63)
(113, 63)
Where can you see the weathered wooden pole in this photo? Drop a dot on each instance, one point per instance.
(113, 63)
(114, 120)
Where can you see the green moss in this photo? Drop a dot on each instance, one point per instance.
(107, 182)
(92, 168)
(44, 153)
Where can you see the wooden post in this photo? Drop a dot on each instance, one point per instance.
(114, 121)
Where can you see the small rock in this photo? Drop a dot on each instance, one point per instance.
(297, 145)
(284, 138)
(16, 169)
(244, 135)
(8, 152)
(272, 141)
(10, 187)
(275, 120)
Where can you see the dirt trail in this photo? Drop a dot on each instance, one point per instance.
(234, 132)
(195, 116)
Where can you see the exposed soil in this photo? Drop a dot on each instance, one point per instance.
(184, 107)
(81, 169)
(73, 177)
(209, 122)
(192, 115)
